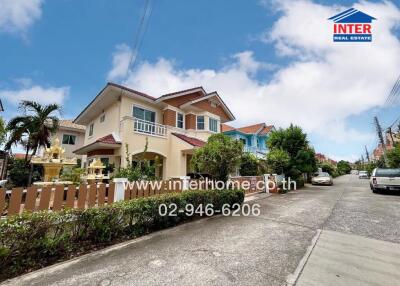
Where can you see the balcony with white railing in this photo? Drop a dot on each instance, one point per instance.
(149, 128)
(259, 152)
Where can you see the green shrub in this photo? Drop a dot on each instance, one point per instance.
(33, 240)
(300, 182)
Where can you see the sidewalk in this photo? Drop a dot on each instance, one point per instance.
(345, 259)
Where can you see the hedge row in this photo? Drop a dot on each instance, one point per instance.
(34, 240)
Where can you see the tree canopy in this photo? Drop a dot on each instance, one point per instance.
(294, 142)
(393, 157)
(33, 129)
(219, 157)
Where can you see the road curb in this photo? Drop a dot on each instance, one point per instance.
(292, 278)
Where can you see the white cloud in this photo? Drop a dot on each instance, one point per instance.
(18, 15)
(120, 62)
(323, 84)
(37, 93)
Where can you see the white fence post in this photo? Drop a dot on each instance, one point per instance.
(120, 185)
(266, 180)
(185, 182)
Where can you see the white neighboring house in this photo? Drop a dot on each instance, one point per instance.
(71, 136)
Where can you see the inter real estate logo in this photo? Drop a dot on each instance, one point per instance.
(352, 26)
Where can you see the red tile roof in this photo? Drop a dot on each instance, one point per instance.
(182, 91)
(19, 155)
(131, 90)
(68, 123)
(251, 129)
(108, 139)
(226, 127)
(192, 141)
(266, 129)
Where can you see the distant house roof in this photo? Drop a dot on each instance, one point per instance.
(352, 16)
(192, 141)
(260, 128)
(67, 123)
(19, 155)
(226, 127)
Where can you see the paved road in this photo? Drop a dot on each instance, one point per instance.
(307, 237)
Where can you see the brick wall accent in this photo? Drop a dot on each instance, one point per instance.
(206, 105)
(190, 121)
(178, 101)
(169, 117)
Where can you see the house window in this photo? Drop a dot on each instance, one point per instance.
(179, 120)
(213, 125)
(243, 141)
(91, 129)
(144, 114)
(69, 139)
(200, 122)
(105, 161)
(102, 118)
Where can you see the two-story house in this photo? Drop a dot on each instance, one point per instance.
(254, 137)
(119, 119)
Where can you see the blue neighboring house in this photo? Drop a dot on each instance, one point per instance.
(253, 137)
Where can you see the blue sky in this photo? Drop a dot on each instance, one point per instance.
(272, 61)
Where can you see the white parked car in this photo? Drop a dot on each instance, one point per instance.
(322, 178)
(363, 175)
(385, 179)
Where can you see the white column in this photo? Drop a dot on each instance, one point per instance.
(185, 182)
(266, 179)
(120, 185)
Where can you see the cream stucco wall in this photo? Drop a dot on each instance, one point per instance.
(79, 141)
(108, 126)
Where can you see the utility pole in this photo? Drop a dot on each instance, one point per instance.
(366, 153)
(381, 139)
(391, 135)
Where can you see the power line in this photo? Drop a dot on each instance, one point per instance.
(394, 93)
(141, 31)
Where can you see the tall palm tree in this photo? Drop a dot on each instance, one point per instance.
(34, 128)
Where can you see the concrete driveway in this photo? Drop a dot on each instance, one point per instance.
(316, 236)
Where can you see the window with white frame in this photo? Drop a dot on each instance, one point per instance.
(102, 118)
(213, 125)
(179, 120)
(91, 127)
(144, 114)
(200, 122)
(69, 139)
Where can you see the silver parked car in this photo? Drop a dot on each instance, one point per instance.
(322, 178)
(363, 175)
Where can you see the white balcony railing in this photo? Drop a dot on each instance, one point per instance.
(254, 150)
(148, 127)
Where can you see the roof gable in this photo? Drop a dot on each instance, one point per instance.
(190, 140)
(259, 129)
(352, 16)
(204, 103)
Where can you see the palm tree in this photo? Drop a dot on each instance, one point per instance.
(34, 128)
